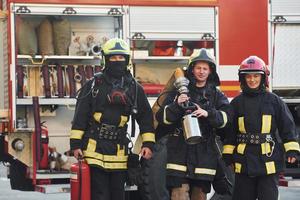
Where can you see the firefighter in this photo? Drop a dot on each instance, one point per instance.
(260, 121)
(99, 127)
(192, 167)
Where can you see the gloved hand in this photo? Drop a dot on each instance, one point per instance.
(292, 156)
(222, 186)
(228, 159)
(134, 169)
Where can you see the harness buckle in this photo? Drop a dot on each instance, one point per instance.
(270, 140)
(95, 92)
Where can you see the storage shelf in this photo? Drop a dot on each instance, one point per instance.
(161, 59)
(59, 57)
(65, 59)
(48, 101)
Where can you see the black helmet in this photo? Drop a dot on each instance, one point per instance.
(203, 55)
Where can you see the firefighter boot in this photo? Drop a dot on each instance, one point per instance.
(181, 193)
(198, 194)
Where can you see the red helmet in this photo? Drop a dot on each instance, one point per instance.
(254, 64)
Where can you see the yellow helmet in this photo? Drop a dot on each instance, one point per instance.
(116, 46)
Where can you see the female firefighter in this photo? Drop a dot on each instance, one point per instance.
(99, 127)
(260, 121)
(192, 167)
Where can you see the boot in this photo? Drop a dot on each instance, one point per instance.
(181, 193)
(198, 194)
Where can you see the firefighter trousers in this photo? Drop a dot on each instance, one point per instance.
(258, 187)
(107, 185)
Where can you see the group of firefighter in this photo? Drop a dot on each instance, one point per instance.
(257, 129)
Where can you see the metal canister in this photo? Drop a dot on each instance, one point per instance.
(21, 123)
(191, 129)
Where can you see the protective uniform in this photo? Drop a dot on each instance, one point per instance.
(260, 121)
(99, 126)
(193, 164)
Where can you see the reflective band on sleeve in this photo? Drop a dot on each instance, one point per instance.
(266, 124)
(265, 148)
(91, 145)
(97, 116)
(237, 168)
(148, 137)
(123, 120)
(224, 119)
(291, 146)
(76, 134)
(242, 125)
(165, 116)
(270, 167)
(176, 167)
(241, 148)
(228, 149)
(205, 171)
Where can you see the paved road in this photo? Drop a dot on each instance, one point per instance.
(290, 193)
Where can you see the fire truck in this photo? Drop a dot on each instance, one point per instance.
(39, 82)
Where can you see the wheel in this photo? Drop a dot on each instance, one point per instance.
(154, 174)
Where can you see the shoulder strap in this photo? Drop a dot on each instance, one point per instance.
(134, 110)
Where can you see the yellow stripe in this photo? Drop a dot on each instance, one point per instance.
(228, 149)
(106, 165)
(230, 88)
(91, 145)
(165, 116)
(270, 166)
(76, 134)
(148, 137)
(242, 125)
(97, 116)
(237, 167)
(241, 148)
(224, 119)
(266, 124)
(123, 120)
(120, 152)
(265, 148)
(205, 171)
(291, 146)
(176, 167)
(105, 158)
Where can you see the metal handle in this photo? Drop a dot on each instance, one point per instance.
(36, 62)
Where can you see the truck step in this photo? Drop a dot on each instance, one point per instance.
(47, 174)
(52, 189)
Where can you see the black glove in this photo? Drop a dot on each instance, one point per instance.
(135, 170)
(222, 186)
(228, 159)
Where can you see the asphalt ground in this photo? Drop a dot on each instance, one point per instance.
(286, 193)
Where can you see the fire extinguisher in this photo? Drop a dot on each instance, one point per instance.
(80, 181)
(44, 147)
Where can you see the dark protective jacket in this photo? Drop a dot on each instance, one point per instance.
(93, 109)
(256, 119)
(197, 161)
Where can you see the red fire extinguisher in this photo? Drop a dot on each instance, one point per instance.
(44, 146)
(80, 181)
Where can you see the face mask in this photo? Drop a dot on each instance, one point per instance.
(116, 69)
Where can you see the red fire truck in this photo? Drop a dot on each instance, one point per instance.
(162, 34)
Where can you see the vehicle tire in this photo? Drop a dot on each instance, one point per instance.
(154, 174)
(17, 175)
